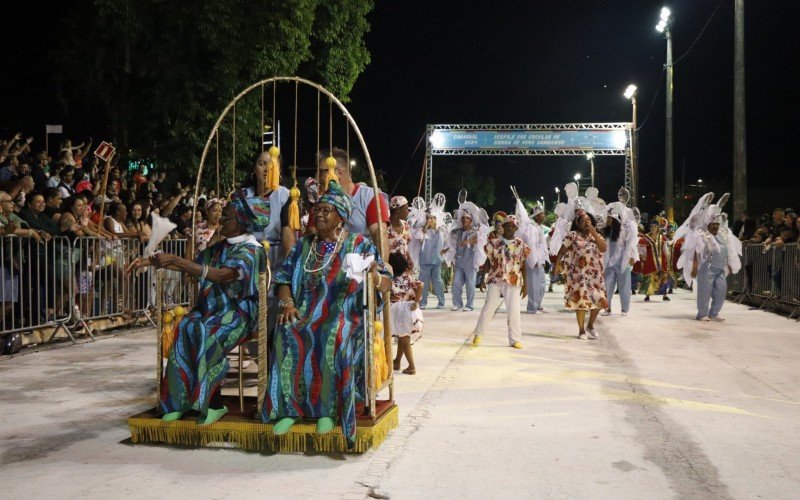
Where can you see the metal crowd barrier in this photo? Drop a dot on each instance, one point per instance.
(35, 283)
(769, 278)
(63, 285)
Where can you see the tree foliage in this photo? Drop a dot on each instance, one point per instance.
(160, 72)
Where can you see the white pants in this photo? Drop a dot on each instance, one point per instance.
(493, 300)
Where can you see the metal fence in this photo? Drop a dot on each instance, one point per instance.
(63, 284)
(769, 278)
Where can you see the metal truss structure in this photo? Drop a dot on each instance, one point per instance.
(430, 151)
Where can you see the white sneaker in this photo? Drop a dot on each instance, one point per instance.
(605, 313)
(704, 318)
(717, 319)
(455, 308)
(581, 336)
(469, 309)
(624, 313)
(592, 333)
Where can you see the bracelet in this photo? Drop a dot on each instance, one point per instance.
(205, 272)
(285, 302)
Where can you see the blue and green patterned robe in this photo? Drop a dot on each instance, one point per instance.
(317, 362)
(224, 316)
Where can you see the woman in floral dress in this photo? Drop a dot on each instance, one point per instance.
(582, 255)
(406, 315)
(399, 233)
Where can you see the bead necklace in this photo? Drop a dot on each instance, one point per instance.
(326, 259)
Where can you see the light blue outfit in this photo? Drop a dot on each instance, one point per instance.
(464, 272)
(618, 272)
(711, 282)
(430, 265)
(534, 272)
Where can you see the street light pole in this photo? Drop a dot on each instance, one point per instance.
(663, 26)
(630, 93)
(590, 157)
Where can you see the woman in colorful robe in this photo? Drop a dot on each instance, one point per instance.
(319, 338)
(225, 314)
(655, 265)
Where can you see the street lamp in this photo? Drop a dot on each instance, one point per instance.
(577, 178)
(630, 93)
(352, 163)
(590, 157)
(664, 24)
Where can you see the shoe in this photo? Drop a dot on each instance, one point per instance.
(423, 307)
(173, 416)
(716, 318)
(476, 340)
(607, 312)
(530, 312)
(516, 345)
(213, 415)
(410, 371)
(541, 310)
(704, 318)
(592, 333)
(666, 299)
(647, 298)
(581, 336)
(325, 425)
(440, 306)
(469, 309)
(283, 426)
(624, 313)
(455, 308)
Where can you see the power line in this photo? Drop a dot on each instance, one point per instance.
(653, 102)
(699, 35)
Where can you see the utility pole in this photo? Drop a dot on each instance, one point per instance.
(739, 135)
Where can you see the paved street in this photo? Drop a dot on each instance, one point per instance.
(661, 406)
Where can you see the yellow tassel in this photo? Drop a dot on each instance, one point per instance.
(168, 335)
(273, 179)
(330, 162)
(294, 209)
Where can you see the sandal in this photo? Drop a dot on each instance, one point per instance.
(410, 371)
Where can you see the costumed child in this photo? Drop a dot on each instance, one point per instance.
(407, 320)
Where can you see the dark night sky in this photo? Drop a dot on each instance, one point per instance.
(532, 62)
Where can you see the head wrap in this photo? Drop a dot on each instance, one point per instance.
(312, 190)
(397, 202)
(465, 213)
(499, 216)
(338, 199)
(537, 209)
(252, 213)
(511, 218)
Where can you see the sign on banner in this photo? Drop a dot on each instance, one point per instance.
(54, 129)
(104, 151)
(529, 139)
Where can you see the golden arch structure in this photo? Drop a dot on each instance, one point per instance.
(242, 427)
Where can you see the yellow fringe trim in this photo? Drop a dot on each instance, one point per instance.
(250, 435)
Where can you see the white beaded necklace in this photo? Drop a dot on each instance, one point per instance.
(327, 259)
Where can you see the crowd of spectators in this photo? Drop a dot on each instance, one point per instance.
(50, 202)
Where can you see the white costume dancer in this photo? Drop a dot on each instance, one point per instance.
(622, 252)
(531, 231)
(710, 252)
(466, 252)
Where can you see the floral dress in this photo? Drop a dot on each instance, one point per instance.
(583, 262)
(405, 322)
(399, 240)
(505, 260)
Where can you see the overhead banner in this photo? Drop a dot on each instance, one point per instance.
(615, 139)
